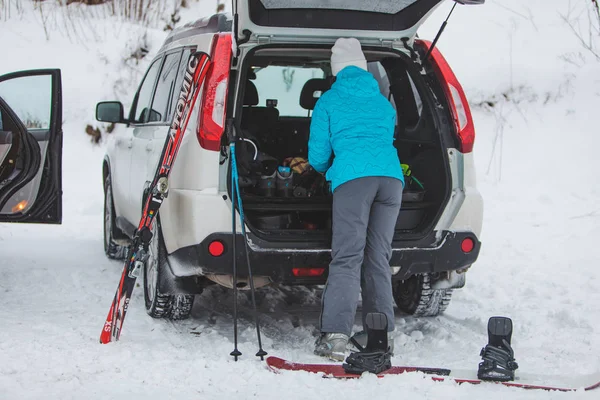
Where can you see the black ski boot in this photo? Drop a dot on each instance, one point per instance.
(498, 356)
(376, 356)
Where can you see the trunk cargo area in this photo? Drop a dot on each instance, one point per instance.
(283, 198)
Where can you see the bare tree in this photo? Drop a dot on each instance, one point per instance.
(584, 22)
(8, 8)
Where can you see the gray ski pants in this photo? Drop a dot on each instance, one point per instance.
(365, 211)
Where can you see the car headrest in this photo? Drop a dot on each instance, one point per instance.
(250, 94)
(308, 96)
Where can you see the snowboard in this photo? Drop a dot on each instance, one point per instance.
(522, 380)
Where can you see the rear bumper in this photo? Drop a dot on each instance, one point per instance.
(277, 260)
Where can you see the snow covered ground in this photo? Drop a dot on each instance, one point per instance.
(537, 168)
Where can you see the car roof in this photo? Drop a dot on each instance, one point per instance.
(221, 22)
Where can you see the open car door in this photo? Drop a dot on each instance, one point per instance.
(31, 147)
(377, 20)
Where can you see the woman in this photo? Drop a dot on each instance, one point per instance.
(351, 139)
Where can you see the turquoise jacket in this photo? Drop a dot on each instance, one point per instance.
(352, 131)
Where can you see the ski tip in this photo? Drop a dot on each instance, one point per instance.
(107, 335)
(105, 340)
(275, 362)
(200, 55)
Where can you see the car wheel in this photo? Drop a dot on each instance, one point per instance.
(160, 305)
(415, 296)
(112, 249)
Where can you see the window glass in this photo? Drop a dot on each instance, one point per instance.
(164, 88)
(284, 84)
(382, 6)
(417, 95)
(30, 97)
(144, 94)
(180, 73)
(380, 73)
(383, 81)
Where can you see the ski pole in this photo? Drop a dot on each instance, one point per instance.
(261, 353)
(235, 353)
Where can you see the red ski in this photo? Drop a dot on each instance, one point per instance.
(197, 68)
(544, 382)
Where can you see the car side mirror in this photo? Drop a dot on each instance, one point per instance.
(154, 116)
(110, 111)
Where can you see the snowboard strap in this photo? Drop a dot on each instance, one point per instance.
(374, 362)
(498, 358)
(498, 363)
(356, 344)
(376, 356)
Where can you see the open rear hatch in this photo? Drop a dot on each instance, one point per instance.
(280, 84)
(374, 19)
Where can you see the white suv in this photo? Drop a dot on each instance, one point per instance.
(267, 72)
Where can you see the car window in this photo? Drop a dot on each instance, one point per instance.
(165, 88)
(140, 108)
(284, 84)
(30, 98)
(381, 6)
(23, 199)
(381, 75)
(383, 81)
(180, 73)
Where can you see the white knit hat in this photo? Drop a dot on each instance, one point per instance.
(347, 52)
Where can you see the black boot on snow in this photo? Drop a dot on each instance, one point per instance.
(376, 356)
(498, 358)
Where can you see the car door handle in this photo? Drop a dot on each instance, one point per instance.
(129, 143)
(149, 146)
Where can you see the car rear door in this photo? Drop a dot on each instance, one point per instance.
(378, 20)
(370, 21)
(130, 170)
(31, 147)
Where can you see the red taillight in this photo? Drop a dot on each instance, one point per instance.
(461, 112)
(216, 248)
(214, 97)
(467, 245)
(304, 272)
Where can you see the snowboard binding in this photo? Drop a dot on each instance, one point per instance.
(498, 358)
(376, 356)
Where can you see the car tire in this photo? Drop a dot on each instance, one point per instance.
(415, 296)
(112, 249)
(160, 305)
